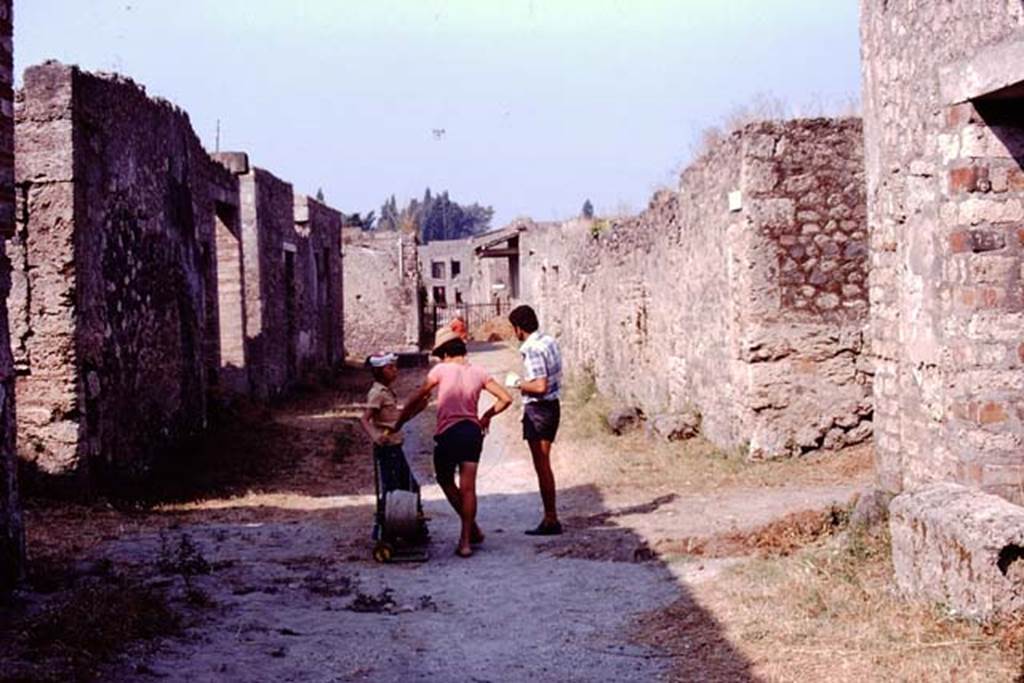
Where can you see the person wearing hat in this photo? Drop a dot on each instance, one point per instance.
(459, 435)
(380, 421)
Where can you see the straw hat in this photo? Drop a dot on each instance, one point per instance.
(443, 336)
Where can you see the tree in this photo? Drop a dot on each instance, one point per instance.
(357, 220)
(435, 217)
(588, 210)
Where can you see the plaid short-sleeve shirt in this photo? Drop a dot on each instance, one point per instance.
(541, 358)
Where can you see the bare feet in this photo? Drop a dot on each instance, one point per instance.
(464, 551)
(476, 537)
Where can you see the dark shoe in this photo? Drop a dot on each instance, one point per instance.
(543, 529)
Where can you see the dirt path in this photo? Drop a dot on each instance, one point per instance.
(293, 594)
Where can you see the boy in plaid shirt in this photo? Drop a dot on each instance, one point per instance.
(541, 389)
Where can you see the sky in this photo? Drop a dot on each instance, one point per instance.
(529, 106)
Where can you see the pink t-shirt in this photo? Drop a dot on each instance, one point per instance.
(458, 392)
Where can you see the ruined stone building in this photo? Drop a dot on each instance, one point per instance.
(497, 268)
(741, 295)
(943, 88)
(384, 293)
(12, 533)
(291, 269)
(147, 274)
(446, 267)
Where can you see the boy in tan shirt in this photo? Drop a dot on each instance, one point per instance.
(380, 420)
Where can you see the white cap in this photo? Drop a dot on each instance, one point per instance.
(381, 359)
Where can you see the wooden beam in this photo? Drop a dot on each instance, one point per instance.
(498, 253)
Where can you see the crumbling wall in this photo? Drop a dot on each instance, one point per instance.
(12, 533)
(321, 329)
(752, 316)
(942, 89)
(113, 255)
(271, 267)
(801, 286)
(382, 292)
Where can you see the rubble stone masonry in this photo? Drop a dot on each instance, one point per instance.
(114, 261)
(752, 316)
(943, 106)
(12, 534)
(382, 292)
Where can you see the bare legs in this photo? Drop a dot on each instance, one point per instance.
(462, 498)
(541, 452)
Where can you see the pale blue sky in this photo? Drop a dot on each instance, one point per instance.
(544, 103)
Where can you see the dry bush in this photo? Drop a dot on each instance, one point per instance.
(831, 613)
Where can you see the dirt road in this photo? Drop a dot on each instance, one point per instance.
(292, 594)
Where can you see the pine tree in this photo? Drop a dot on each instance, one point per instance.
(588, 210)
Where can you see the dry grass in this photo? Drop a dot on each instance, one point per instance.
(830, 613)
(693, 465)
(76, 634)
(779, 538)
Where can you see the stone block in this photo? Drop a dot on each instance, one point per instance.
(959, 547)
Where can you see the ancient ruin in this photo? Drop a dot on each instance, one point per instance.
(12, 534)
(147, 273)
(943, 88)
(383, 292)
(741, 296)
(807, 285)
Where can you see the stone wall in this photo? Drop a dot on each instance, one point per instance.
(270, 253)
(382, 292)
(321, 328)
(751, 316)
(12, 534)
(113, 261)
(942, 110)
(457, 288)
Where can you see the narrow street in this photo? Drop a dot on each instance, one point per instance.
(295, 595)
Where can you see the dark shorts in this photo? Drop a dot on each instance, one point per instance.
(462, 442)
(540, 420)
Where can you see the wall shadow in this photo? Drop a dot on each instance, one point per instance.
(596, 567)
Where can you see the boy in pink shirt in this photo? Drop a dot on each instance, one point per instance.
(459, 435)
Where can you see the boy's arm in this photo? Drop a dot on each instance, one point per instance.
(417, 402)
(503, 401)
(367, 420)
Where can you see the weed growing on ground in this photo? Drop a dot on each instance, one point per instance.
(834, 614)
(187, 561)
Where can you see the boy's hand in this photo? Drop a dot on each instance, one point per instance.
(485, 423)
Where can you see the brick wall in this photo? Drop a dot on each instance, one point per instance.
(943, 106)
(945, 200)
(12, 549)
(753, 317)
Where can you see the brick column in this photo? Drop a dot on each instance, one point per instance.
(12, 543)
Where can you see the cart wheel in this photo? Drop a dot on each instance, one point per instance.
(383, 552)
